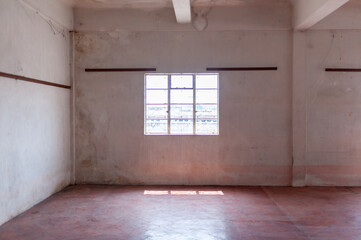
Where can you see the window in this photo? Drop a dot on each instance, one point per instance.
(181, 104)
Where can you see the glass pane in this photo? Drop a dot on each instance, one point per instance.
(157, 111)
(181, 96)
(181, 111)
(156, 81)
(157, 96)
(207, 96)
(206, 127)
(157, 126)
(207, 81)
(182, 81)
(181, 126)
(206, 111)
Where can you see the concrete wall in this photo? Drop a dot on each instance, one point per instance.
(326, 106)
(298, 126)
(35, 159)
(254, 145)
(333, 109)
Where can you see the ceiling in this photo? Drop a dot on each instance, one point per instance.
(167, 3)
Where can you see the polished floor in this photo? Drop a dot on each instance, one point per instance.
(172, 213)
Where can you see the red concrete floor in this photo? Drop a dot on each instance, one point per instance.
(115, 212)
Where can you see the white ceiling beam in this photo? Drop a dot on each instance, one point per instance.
(307, 13)
(182, 9)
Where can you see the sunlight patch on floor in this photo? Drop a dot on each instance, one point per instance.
(182, 192)
(210, 193)
(147, 192)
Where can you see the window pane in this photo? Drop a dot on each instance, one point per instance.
(181, 126)
(206, 127)
(157, 96)
(157, 126)
(157, 111)
(181, 111)
(206, 111)
(181, 96)
(156, 81)
(207, 81)
(207, 96)
(182, 81)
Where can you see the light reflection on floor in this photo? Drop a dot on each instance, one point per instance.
(183, 192)
(148, 192)
(164, 192)
(210, 193)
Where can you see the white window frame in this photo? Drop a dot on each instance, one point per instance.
(168, 104)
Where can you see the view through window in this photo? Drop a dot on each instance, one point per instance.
(181, 104)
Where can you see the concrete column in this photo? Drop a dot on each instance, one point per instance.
(299, 109)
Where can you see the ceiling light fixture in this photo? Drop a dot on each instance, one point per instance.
(200, 21)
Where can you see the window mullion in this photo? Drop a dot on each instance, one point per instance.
(145, 105)
(194, 104)
(169, 89)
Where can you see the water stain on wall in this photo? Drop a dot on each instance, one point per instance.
(91, 45)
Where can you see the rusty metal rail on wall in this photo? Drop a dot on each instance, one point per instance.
(208, 69)
(120, 69)
(33, 80)
(343, 69)
(242, 68)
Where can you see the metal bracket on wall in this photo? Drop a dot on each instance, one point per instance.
(343, 69)
(33, 80)
(242, 68)
(120, 69)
